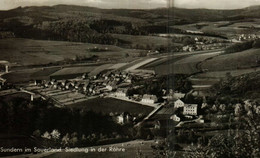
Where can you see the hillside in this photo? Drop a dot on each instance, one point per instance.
(244, 86)
(21, 52)
(238, 60)
(94, 25)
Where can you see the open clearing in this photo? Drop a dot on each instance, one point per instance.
(145, 40)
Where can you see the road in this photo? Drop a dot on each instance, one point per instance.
(190, 121)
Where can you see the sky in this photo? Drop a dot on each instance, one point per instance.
(134, 4)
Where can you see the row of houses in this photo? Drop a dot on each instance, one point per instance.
(200, 46)
(121, 93)
(245, 37)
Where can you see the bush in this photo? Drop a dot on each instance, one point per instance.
(256, 43)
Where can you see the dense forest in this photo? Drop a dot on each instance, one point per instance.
(246, 86)
(58, 127)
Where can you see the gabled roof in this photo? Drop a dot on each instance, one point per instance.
(190, 105)
(148, 96)
(123, 90)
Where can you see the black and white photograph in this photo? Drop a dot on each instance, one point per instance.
(129, 78)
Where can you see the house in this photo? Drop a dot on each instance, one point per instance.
(149, 99)
(56, 85)
(175, 118)
(37, 82)
(53, 81)
(91, 88)
(69, 86)
(111, 85)
(84, 76)
(121, 93)
(124, 118)
(78, 86)
(63, 83)
(85, 87)
(46, 84)
(120, 119)
(178, 104)
(190, 109)
(129, 79)
(73, 83)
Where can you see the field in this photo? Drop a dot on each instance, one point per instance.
(132, 63)
(187, 64)
(9, 97)
(137, 65)
(117, 66)
(73, 70)
(227, 28)
(239, 60)
(21, 76)
(107, 105)
(160, 62)
(20, 51)
(30, 74)
(144, 40)
(222, 74)
(99, 69)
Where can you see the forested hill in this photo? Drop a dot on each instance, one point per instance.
(245, 86)
(88, 24)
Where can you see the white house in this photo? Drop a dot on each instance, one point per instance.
(121, 93)
(124, 118)
(120, 119)
(149, 99)
(178, 104)
(111, 86)
(190, 109)
(175, 118)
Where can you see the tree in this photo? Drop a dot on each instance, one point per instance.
(126, 55)
(189, 41)
(37, 133)
(244, 142)
(46, 135)
(55, 134)
(74, 140)
(65, 140)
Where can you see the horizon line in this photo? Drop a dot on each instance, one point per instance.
(196, 8)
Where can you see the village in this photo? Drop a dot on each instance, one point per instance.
(112, 84)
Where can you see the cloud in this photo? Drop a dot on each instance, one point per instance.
(216, 4)
(131, 4)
